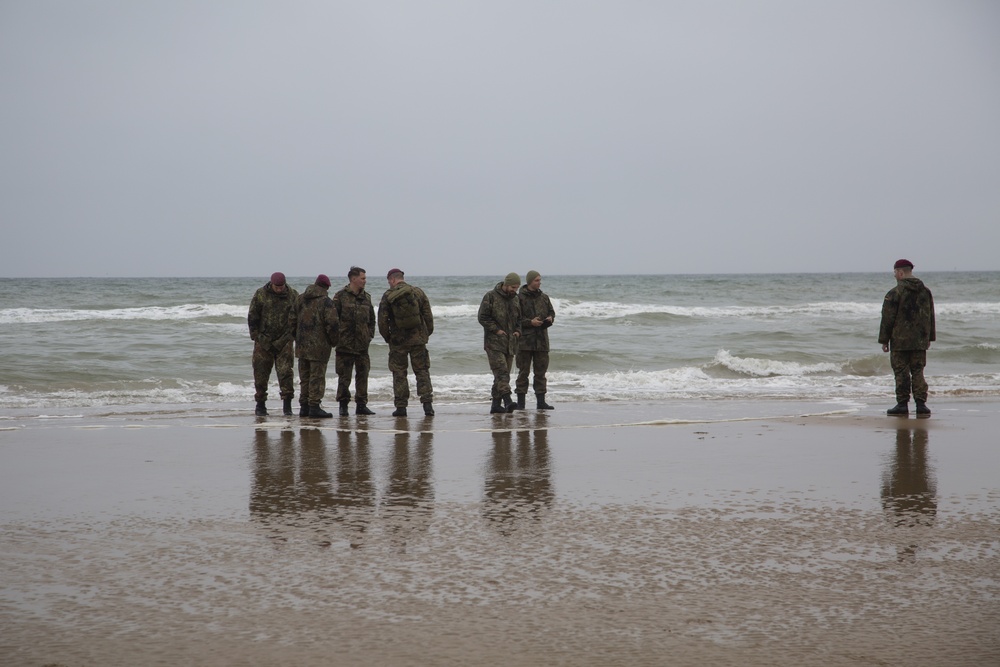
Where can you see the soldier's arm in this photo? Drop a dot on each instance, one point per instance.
(485, 315)
(383, 319)
(933, 329)
(332, 326)
(253, 317)
(888, 318)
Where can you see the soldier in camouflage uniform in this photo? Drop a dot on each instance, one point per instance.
(406, 323)
(272, 320)
(314, 339)
(907, 330)
(500, 317)
(537, 315)
(356, 315)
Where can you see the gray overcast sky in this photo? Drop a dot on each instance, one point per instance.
(174, 138)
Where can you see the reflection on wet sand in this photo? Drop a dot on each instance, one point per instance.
(909, 493)
(292, 489)
(409, 500)
(518, 476)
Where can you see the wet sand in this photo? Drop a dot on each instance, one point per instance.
(596, 534)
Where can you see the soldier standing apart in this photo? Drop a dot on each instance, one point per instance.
(500, 317)
(537, 315)
(272, 322)
(356, 316)
(907, 330)
(315, 338)
(406, 323)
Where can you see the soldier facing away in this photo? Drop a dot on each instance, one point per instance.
(906, 332)
(356, 317)
(272, 321)
(406, 323)
(537, 315)
(500, 317)
(314, 339)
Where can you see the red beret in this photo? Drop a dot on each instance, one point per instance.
(903, 263)
(392, 271)
(322, 280)
(277, 278)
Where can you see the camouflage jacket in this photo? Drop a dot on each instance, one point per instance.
(272, 317)
(500, 311)
(405, 337)
(908, 316)
(535, 304)
(356, 316)
(317, 330)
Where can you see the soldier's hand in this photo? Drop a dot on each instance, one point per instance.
(885, 348)
(501, 332)
(536, 322)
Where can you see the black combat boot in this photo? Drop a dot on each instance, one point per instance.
(318, 411)
(343, 407)
(428, 409)
(901, 409)
(286, 407)
(520, 401)
(399, 412)
(303, 409)
(495, 406)
(922, 408)
(361, 408)
(542, 405)
(261, 410)
(508, 404)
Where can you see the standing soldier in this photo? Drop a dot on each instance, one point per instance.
(537, 315)
(356, 317)
(406, 323)
(907, 329)
(315, 338)
(272, 322)
(500, 317)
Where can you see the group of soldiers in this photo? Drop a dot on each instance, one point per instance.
(515, 320)
(285, 325)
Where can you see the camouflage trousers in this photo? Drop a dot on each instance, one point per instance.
(908, 367)
(524, 360)
(500, 364)
(421, 361)
(263, 361)
(312, 381)
(361, 366)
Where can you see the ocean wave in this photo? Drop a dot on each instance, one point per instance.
(601, 310)
(188, 311)
(800, 382)
(769, 367)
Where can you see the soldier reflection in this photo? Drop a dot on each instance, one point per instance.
(518, 478)
(409, 500)
(909, 493)
(294, 493)
(355, 495)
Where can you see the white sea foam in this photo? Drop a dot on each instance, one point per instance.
(188, 311)
(770, 367)
(800, 382)
(564, 309)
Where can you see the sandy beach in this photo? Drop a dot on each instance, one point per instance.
(595, 534)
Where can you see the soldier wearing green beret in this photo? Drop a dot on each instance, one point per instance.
(500, 317)
(537, 315)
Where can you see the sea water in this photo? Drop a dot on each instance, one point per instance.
(103, 342)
